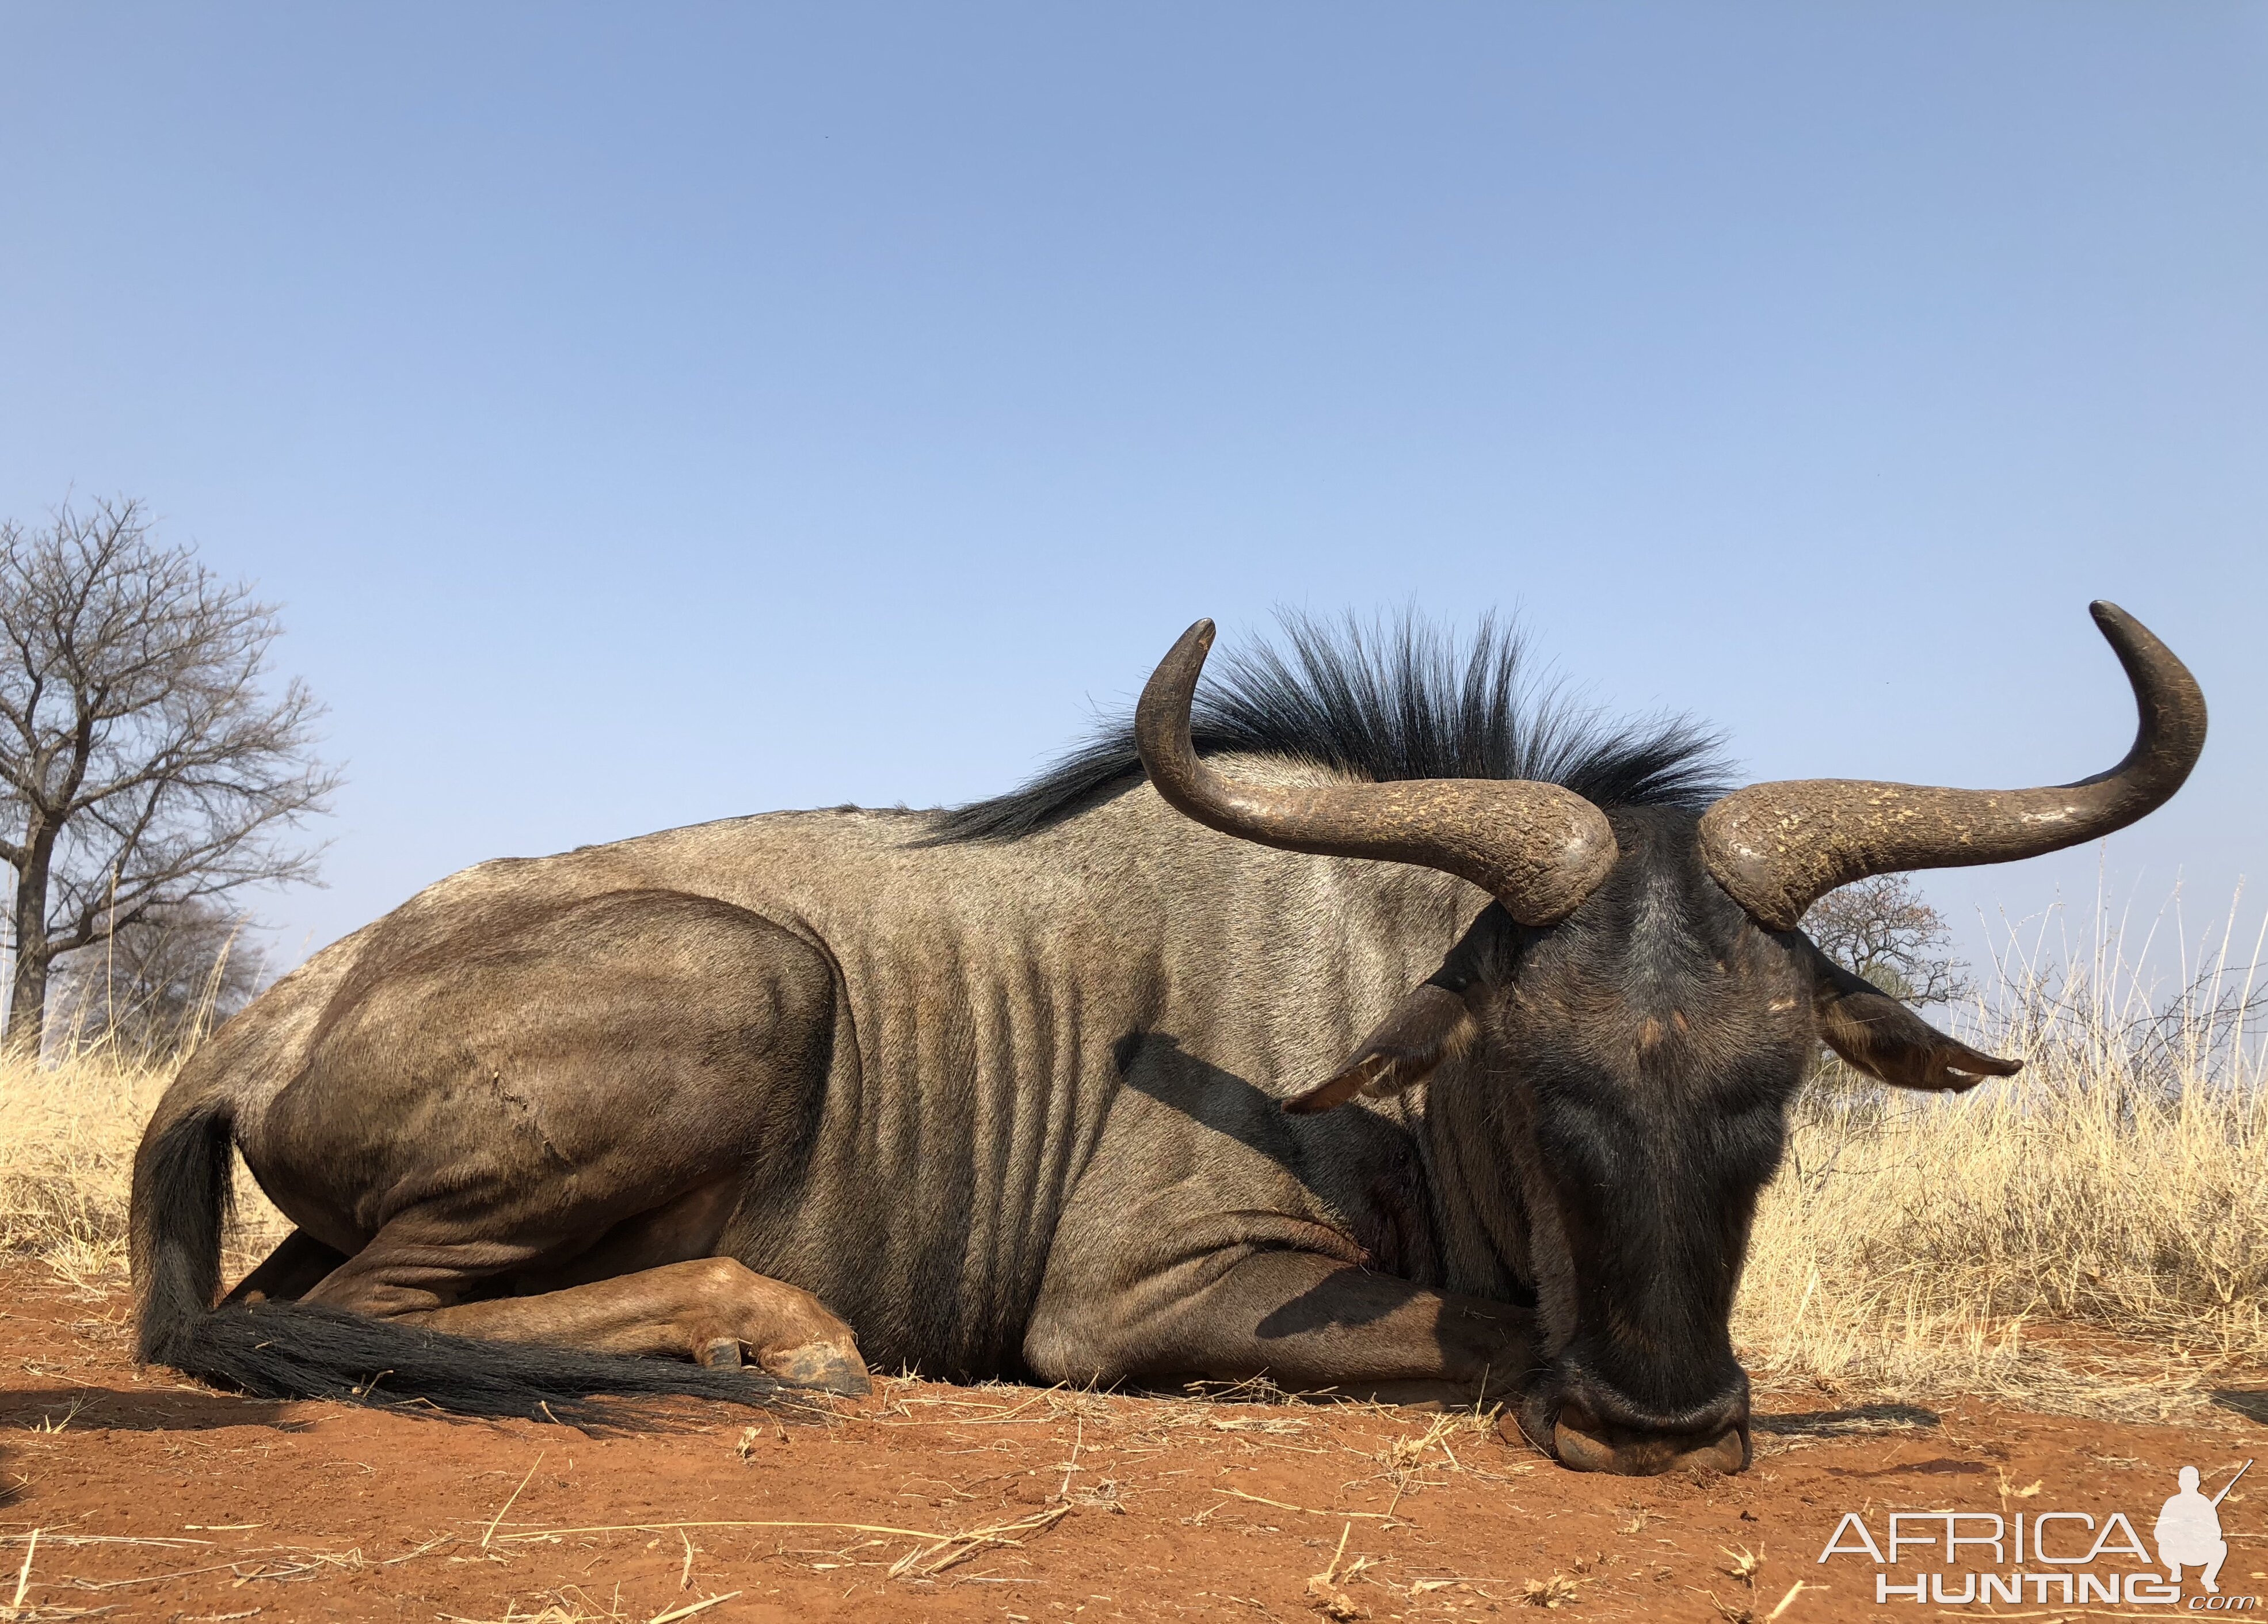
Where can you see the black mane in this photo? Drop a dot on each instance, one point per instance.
(1396, 701)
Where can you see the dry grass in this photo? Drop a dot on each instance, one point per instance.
(2024, 1239)
(1913, 1245)
(68, 1129)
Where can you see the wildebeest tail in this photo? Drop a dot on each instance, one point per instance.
(181, 1201)
(296, 1350)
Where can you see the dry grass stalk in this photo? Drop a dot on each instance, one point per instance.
(24, 1577)
(563, 1608)
(1406, 1452)
(928, 1561)
(1559, 1591)
(488, 1533)
(1306, 1510)
(661, 1528)
(1324, 1589)
(1427, 1587)
(1786, 1601)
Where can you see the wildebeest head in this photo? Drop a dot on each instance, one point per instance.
(1634, 1013)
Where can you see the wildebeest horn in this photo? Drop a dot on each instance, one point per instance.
(1537, 848)
(1779, 848)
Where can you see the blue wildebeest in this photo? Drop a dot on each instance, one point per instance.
(1363, 1032)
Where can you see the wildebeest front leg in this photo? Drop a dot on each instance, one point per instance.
(1212, 1237)
(1306, 1322)
(706, 1309)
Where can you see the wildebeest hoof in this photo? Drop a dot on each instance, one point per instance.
(824, 1365)
(724, 1354)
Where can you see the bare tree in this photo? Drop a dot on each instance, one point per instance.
(160, 982)
(143, 766)
(1881, 929)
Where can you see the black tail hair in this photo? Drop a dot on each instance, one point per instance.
(181, 1203)
(296, 1350)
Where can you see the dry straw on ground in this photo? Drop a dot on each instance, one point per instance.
(2092, 1232)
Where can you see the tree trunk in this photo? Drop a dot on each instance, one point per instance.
(28, 992)
(27, 1005)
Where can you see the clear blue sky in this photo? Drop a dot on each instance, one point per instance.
(647, 413)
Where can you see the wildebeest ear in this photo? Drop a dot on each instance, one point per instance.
(1882, 1038)
(1425, 1029)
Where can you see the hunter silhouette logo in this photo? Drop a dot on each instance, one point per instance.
(2066, 1557)
(2189, 1530)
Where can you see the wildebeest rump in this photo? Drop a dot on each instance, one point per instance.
(1377, 1039)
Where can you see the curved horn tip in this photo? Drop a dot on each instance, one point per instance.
(2158, 678)
(1161, 717)
(2124, 633)
(1178, 671)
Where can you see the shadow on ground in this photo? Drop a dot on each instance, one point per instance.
(1843, 1422)
(2249, 1403)
(104, 1409)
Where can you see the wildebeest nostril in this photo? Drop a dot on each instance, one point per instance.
(1587, 1402)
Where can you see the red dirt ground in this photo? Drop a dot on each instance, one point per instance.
(156, 1499)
